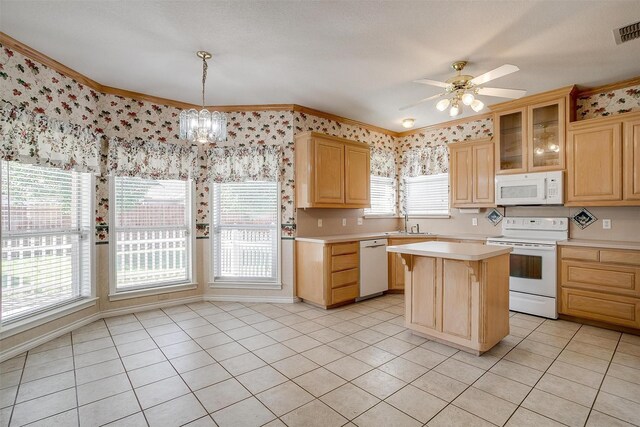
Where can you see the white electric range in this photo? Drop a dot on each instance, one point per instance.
(533, 262)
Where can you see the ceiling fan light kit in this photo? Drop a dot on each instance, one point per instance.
(203, 126)
(462, 89)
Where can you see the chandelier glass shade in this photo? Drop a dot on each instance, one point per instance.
(203, 126)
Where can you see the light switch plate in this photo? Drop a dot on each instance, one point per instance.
(606, 224)
(474, 221)
(344, 222)
(360, 221)
(319, 223)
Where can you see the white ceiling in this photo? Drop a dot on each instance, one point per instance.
(352, 58)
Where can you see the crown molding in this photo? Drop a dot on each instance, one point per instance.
(40, 57)
(446, 124)
(634, 81)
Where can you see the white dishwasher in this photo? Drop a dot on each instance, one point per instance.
(373, 267)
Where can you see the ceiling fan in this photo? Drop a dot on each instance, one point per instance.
(462, 89)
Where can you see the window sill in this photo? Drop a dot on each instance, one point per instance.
(245, 285)
(46, 317)
(374, 216)
(137, 293)
(429, 216)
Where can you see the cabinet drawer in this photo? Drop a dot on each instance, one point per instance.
(345, 277)
(586, 254)
(344, 248)
(620, 257)
(346, 293)
(598, 306)
(344, 262)
(601, 277)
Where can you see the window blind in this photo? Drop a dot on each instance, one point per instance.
(383, 196)
(245, 231)
(46, 221)
(152, 232)
(427, 195)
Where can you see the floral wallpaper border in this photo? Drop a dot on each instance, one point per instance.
(35, 87)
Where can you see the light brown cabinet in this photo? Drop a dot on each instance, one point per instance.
(465, 303)
(600, 284)
(396, 269)
(530, 132)
(331, 172)
(631, 131)
(603, 161)
(472, 174)
(327, 274)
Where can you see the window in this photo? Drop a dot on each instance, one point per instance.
(151, 233)
(383, 196)
(427, 195)
(47, 217)
(245, 231)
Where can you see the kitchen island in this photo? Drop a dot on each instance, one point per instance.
(457, 293)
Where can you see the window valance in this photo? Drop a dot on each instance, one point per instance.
(151, 159)
(383, 163)
(238, 164)
(32, 138)
(426, 160)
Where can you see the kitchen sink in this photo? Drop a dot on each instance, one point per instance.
(407, 233)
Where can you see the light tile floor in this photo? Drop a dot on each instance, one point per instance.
(232, 364)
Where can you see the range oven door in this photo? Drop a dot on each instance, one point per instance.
(532, 268)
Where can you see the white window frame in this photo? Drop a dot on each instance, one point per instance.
(426, 178)
(235, 284)
(190, 283)
(64, 309)
(393, 214)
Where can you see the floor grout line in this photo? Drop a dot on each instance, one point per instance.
(364, 312)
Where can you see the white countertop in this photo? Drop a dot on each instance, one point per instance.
(609, 244)
(341, 238)
(450, 250)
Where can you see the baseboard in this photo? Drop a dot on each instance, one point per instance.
(34, 342)
(149, 306)
(245, 298)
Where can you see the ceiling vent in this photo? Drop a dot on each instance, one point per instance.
(627, 33)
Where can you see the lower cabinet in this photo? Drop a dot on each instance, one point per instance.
(600, 284)
(465, 303)
(327, 274)
(396, 269)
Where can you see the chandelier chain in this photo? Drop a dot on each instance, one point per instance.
(205, 66)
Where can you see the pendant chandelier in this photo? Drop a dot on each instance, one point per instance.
(203, 126)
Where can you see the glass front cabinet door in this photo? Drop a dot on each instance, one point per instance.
(532, 138)
(511, 135)
(546, 136)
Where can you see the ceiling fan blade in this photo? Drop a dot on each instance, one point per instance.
(406, 107)
(494, 74)
(432, 82)
(502, 93)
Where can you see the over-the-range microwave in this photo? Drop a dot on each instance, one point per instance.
(539, 188)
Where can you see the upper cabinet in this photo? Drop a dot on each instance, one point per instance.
(331, 172)
(530, 132)
(472, 174)
(603, 161)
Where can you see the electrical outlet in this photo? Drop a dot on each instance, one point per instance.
(360, 221)
(474, 221)
(344, 222)
(606, 224)
(319, 223)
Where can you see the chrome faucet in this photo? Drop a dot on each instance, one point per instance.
(406, 220)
